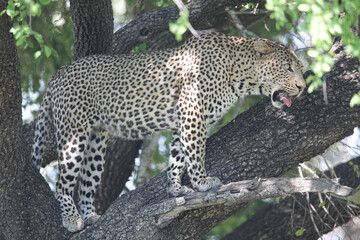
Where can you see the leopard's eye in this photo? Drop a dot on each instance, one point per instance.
(288, 67)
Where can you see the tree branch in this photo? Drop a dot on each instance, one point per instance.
(150, 24)
(241, 192)
(281, 220)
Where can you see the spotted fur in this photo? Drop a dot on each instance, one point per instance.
(185, 90)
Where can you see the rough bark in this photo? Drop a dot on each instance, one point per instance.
(280, 221)
(244, 191)
(93, 27)
(203, 14)
(262, 142)
(24, 213)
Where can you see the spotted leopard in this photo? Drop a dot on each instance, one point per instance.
(184, 90)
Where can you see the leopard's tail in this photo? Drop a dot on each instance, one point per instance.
(43, 126)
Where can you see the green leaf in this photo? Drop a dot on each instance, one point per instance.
(322, 204)
(22, 16)
(38, 37)
(47, 51)
(316, 9)
(45, 2)
(326, 67)
(10, 6)
(140, 48)
(300, 232)
(355, 100)
(20, 42)
(30, 43)
(179, 27)
(36, 9)
(289, 26)
(37, 54)
(17, 30)
(304, 7)
(313, 53)
(11, 12)
(337, 28)
(293, 15)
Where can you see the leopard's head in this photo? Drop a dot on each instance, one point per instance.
(280, 70)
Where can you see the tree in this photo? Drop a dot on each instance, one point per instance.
(262, 142)
(17, 185)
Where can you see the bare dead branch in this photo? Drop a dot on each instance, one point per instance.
(239, 26)
(182, 7)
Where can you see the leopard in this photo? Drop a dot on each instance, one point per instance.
(185, 90)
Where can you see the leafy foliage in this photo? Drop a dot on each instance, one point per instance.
(179, 27)
(322, 20)
(43, 34)
(20, 11)
(140, 48)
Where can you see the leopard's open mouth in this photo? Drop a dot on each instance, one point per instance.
(282, 96)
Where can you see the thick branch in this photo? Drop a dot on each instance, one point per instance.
(150, 24)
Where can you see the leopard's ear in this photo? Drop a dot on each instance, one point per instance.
(262, 47)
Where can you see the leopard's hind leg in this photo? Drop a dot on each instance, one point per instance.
(90, 175)
(71, 148)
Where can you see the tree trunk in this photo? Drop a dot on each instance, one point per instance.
(93, 27)
(24, 212)
(262, 142)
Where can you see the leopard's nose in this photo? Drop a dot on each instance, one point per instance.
(301, 88)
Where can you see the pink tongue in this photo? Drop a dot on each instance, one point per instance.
(286, 100)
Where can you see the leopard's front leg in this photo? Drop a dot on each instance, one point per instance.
(177, 167)
(193, 141)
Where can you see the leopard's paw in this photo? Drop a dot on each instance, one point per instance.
(179, 190)
(91, 218)
(73, 223)
(208, 183)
